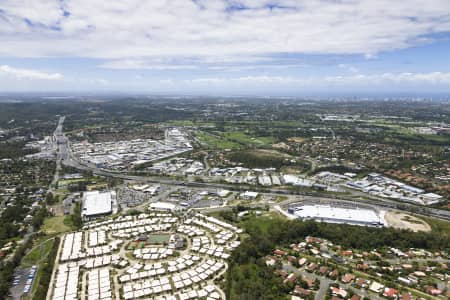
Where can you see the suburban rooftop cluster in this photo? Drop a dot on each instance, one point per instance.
(123, 155)
(156, 254)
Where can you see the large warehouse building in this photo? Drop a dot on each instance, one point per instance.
(97, 204)
(335, 214)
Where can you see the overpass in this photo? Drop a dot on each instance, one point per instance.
(67, 158)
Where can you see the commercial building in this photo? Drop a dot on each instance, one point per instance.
(382, 186)
(333, 214)
(97, 204)
(162, 206)
(248, 195)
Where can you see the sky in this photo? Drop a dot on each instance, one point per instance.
(229, 47)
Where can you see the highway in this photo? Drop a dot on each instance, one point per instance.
(67, 158)
(61, 149)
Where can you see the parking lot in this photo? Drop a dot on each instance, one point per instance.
(23, 281)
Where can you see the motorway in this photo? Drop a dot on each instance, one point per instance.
(67, 158)
(61, 144)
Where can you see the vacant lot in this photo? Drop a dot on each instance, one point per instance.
(403, 221)
(214, 142)
(54, 225)
(247, 140)
(296, 139)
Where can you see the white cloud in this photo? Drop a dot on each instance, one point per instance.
(356, 80)
(349, 68)
(29, 74)
(211, 28)
(100, 81)
(128, 64)
(405, 78)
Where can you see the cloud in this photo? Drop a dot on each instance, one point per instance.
(405, 78)
(216, 28)
(100, 81)
(128, 64)
(357, 80)
(29, 74)
(349, 68)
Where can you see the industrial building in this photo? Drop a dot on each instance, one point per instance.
(382, 186)
(334, 214)
(97, 204)
(248, 195)
(163, 206)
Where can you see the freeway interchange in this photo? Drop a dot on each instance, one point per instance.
(66, 157)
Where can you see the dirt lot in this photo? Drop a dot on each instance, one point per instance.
(296, 139)
(267, 152)
(282, 146)
(404, 221)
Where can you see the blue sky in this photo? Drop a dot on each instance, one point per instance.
(257, 47)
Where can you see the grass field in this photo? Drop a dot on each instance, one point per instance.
(37, 257)
(215, 142)
(244, 139)
(158, 238)
(54, 225)
(39, 252)
(65, 182)
(438, 225)
(233, 140)
(280, 198)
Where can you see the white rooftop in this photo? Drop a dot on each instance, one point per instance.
(250, 194)
(97, 203)
(162, 206)
(329, 213)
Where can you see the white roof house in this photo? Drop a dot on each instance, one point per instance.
(96, 203)
(162, 206)
(248, 195)
(222, 193)
(431, 198)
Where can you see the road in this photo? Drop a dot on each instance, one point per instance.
(61, 144)
(376, 201)
(325, 283)
(17, 291)
(67, 158)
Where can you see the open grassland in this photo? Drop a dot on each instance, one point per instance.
(404, 221)
(214, 142)
(245, 139)
(37, 253)
(233, 140)
(39, 256)
(53, 225)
